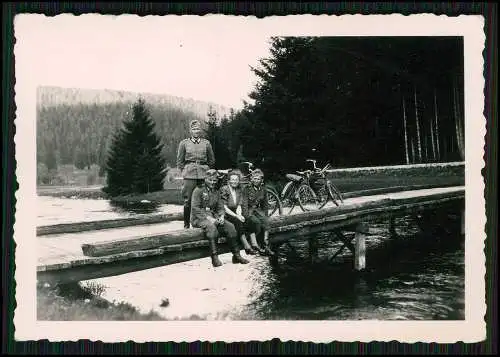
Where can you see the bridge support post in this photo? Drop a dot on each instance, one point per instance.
(392, 227)
(360, 246)
(313, 249)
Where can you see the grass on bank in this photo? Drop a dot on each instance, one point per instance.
(345, 181)
(76, 302)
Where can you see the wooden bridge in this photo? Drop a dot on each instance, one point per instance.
(68, 256)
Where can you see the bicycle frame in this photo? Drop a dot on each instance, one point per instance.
(290, 191)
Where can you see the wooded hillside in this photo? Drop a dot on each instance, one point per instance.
(75, 126)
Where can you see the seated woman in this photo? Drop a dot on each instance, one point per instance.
(232, 196)
(255, 208)
(207, 212)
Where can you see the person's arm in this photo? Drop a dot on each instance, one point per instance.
(229, 212)
(196, 210)
(210, 155)
(181, 153)
(220, 208)
(239, 210)
(244, 203)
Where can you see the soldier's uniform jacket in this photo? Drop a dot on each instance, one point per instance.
(195, 157)
(205, 202)
(255, 201)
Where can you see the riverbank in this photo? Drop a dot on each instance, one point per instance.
(75, 302)
(346, 180)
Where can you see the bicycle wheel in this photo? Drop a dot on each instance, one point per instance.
(287, 198)
(273, 202)
(323, 194)
(335, 194)
(308, 200)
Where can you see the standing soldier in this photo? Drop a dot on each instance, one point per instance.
(194, 157)
(208, 213)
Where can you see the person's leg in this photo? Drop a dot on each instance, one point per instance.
(228, 230)
(211, 234)
(253, 228)
(240, 231)
(187, 190)
(264, 233)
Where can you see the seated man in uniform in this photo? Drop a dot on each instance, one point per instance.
(255, 211)
(207, 212)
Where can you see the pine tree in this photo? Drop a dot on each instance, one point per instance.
(135, 163)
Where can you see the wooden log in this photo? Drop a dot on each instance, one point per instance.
(360, 247)
(142, 243)
(350, 219)
(281, 227)
(106, 224)
(391, 189)
(99, 267)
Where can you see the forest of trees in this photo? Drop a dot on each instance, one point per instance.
(352, 102)
(81, 134)
(347, 101)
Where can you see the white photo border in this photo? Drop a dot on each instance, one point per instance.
(472, 329)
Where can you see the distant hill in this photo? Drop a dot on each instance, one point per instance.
(75, 126)
(51, 96)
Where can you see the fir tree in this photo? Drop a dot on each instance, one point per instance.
(135, 163)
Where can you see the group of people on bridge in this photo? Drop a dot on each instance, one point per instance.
(233, 210)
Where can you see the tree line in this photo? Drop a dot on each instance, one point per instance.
(350, 102)
(346, 101)
(81, 134)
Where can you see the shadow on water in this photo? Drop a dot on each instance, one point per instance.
(135, 207)
(414, 276)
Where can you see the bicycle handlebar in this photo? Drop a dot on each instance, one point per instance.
(250, 165)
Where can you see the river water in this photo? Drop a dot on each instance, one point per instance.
(413, 277)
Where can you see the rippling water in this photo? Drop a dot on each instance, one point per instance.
(55, 210)
(413, 277)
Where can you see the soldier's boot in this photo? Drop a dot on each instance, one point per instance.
(213, 253)
(267, 247)
(238, 259)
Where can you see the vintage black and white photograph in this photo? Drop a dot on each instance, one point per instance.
(319, 174)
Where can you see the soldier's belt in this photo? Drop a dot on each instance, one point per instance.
(196, 162)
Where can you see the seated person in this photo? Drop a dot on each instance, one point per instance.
(255, 209)
(232, 196)
(207, 212)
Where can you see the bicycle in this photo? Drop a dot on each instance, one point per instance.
(273, 200)
(310, 187)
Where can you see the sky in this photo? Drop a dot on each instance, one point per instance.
(204, 60)
(201, 57)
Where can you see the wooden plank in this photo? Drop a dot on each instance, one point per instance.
(146, 260)
(106, 224)
(352, 219)
(391, 189)
(142, 243)
(278, 224)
